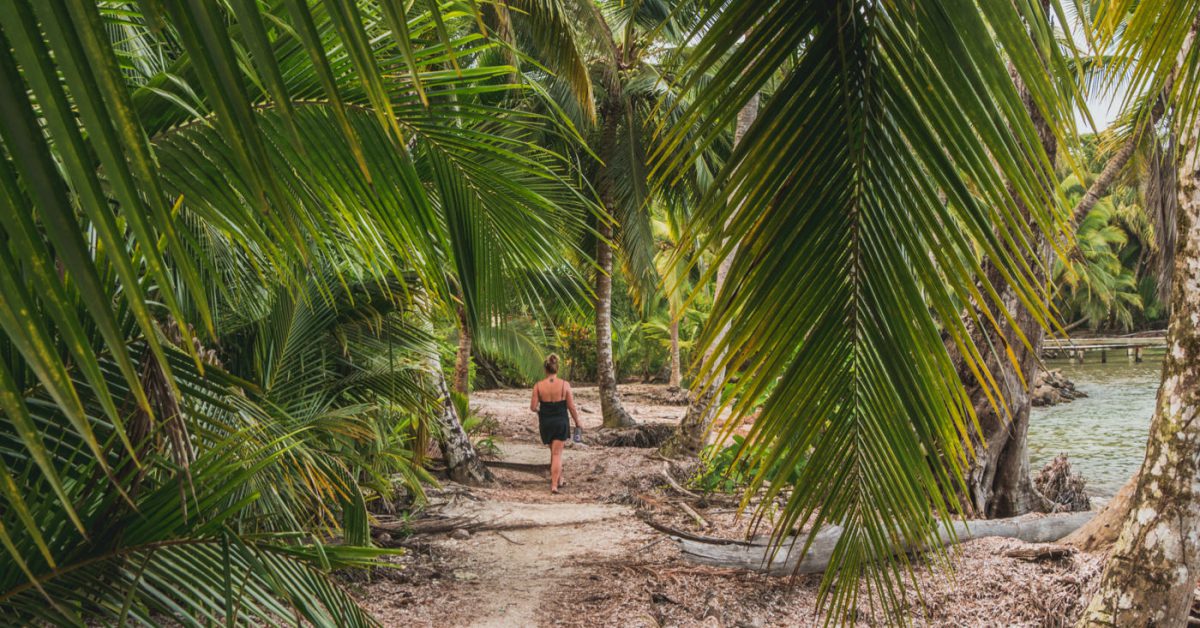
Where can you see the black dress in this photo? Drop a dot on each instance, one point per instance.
(553, 423)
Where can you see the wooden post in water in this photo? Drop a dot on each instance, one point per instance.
(1137, 354)
(1104, 356)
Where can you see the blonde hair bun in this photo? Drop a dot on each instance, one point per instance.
(551, 363)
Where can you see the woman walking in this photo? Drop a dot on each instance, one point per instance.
(552, 399)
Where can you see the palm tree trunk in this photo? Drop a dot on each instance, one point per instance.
(1118, 161)
(999, 482)
(462, 461)
(1162, 200)
(606, 371)
(462, 359)
(1115, 165)
(1152, 572)
(689, 438)
(676, 363)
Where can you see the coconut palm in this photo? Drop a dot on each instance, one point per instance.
(1111, 282)
(669, 233)
(1098, 286)
(659, 342)
(621, 49)
(1151, 573)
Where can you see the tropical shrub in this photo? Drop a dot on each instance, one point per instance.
(216, 218)
(727, 469)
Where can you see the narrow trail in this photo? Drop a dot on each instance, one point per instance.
(522, 573)
(557, 549)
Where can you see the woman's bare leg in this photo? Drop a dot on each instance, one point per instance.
(556, 449)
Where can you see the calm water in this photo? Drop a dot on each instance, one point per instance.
(1104, 433)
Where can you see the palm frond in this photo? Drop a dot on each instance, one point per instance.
(247, 181)
(1154, 47)
(894, 145)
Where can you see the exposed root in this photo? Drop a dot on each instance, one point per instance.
(644, 435)
(1059, 485)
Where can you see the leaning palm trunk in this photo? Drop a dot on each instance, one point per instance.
(1153, 569)
(1115, 165)
(689, 439)
(462, 461)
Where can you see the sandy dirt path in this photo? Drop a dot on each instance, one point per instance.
(583, 558)
(521, 572)
(536, 572)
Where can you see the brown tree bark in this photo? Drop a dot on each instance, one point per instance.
(689, 439)
(462, 359)
(1102, 530)
(1121, 158)
(999, 482)
(462, 461)
(606, 372)
(676, 363)
(1152, 572)
(1115, 165)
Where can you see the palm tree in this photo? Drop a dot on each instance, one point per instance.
(200, 194)
(1099, 287)
(620, 47)
(894, 148)
(1151, 573)
(669, 232)
(1112, 282)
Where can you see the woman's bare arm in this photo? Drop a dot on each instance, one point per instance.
(533, 403)
(571, 406)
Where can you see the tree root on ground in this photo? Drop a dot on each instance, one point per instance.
(643, 435)
(759, 555)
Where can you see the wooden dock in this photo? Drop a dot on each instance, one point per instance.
(1077, 349)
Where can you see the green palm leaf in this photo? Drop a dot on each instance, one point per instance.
(199, 189)
(893, 146)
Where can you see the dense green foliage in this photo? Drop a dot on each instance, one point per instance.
(239, 238)
(236, 217)
(1111, 283)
